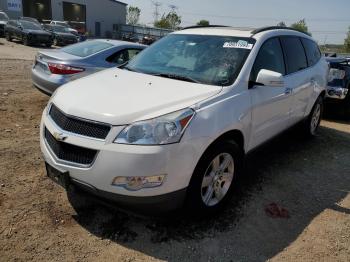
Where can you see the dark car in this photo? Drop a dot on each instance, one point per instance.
(61, 35)
(338, 95)
(3, 21)
(28, 32)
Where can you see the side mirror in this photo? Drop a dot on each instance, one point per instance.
(270, 78)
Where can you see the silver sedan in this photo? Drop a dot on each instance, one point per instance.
(53, 68)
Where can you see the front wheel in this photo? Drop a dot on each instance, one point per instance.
(213, 179)
(25, 40)
(8, 36)
(313, 121)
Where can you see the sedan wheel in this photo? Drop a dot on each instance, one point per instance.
(8, 37)
(25, 40)
(217, 179)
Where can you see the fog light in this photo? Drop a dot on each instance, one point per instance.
(138, 182)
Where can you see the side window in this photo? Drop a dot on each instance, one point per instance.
(312, 51)
(295, 54)
(122, 56)
(133, 52)
(270, 57)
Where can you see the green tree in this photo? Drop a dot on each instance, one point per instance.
(133, 15)
(170, 21)
(203, 23)
(347, 42)
(282, 24)
(301, 26)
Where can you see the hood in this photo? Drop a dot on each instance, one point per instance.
(65, 35)
(120, 97)
(37, 32)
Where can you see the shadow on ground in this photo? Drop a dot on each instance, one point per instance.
(303, 176)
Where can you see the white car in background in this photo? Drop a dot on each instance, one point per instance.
(172, 127)
(66, 25)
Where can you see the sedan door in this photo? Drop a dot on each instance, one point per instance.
(271, 105)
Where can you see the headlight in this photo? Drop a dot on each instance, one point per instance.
(163, 130)
(335, 74)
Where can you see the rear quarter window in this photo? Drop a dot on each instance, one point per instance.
(87, 48)
(313, 53)
(294, 54)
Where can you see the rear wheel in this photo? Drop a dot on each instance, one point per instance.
(48, 45)
(213, 179)
(313, 121)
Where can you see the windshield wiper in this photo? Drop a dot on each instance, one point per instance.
(178, 77)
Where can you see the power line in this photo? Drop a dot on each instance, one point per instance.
(269, 18)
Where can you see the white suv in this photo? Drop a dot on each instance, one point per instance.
(172, 126)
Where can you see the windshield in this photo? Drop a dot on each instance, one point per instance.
(87, 48)
(60, 29)
(3, 17)
(30, 25)
(62, 24)
(213, 60)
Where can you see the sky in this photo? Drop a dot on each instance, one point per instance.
(328, 20)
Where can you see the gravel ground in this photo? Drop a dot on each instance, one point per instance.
(307, 179)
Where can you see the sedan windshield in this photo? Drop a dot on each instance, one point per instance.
(87, 48)
(60, 29)
(212, 60)
(30, 25)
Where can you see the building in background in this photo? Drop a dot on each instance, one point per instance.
(97, 17)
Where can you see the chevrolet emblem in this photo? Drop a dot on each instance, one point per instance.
(59, 136)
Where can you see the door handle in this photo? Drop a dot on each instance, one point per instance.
(288, 91)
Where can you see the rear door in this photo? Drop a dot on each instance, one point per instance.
(271, 105)
(299, 76)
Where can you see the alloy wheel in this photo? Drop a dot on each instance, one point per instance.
(315, 119)
(217, 179)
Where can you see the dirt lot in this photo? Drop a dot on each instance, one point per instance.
(309, 178)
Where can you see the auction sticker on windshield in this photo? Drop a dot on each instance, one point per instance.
(239, 44)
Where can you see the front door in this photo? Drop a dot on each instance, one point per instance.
(271, 105)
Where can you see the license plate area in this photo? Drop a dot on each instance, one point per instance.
(60, 178)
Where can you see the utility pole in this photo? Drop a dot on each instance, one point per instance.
(173, 8)
(156, 10)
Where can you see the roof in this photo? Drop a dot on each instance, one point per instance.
(234, 31)
(118, 2)
(117, 42)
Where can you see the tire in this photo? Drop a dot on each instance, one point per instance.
(8, 37)
(210, 187)
(25, 41)
(48, 45)
(314, 119)
(346, 105)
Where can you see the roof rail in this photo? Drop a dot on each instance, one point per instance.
(268, 28)
(203, 26)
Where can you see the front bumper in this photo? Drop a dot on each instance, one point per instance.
(62, 41)
(176, 161)
(336, 92)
